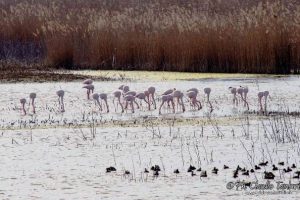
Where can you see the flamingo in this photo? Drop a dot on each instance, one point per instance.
(133, 93)
(260, 95)
(103, 97)
(246, 90)
(130, 99)
(142, 96)
(233, 91)
(117, 94)
(124, 88)
(151, 91)
(167, 99)
(95, 96)
(192, 95)
(32, 96)
(90, 88)
(87, 81)
(178, 95)
(170, 91)
(60, 94)
(193, 90)
(23, 101)
(243, 91)
(266, 94)
(207, 91)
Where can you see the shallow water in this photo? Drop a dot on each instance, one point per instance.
(283, 96)
(67, 163)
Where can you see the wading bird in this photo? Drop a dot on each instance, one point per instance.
(129, 99)
(124, 88)
(95, 96)
(103, 97)
(23, 101)
(117, 94)
(32, 97)
(151, 99)
(178, 95)
(262, 95)
(88, 82)
(60, 94)
(233, 91)
(207, 91)
(167, 99)
(142, 96)
(90, 89)
(192, 95)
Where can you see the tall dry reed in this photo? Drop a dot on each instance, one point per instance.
(195, 36)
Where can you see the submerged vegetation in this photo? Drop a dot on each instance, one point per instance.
(194, 36)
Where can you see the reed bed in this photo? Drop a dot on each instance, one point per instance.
(195, 36)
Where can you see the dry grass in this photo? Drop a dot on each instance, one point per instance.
(254, 37)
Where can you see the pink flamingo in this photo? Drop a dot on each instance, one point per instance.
(124, 88)
(90, 88)
(193, 90)
(60, 94)
(207, 91)
(167, 99)
(266, 94)
(246, 90)
(178, 95)
(95, 96)
(243, 93)
(192, 95)
(170, 91)
(132, 93)
(260, 95)
(23, 101)
(233, 91)
(117, 94)
(103, 97)
(32, 96)
(88, 81)
(151, 91)
(142, 96)
(130, 99)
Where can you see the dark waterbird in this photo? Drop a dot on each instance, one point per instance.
(235, 173)
(155, 168)
(110, 169)
(269, 175)
(176, 171)
(293, 166)
(263, 163)
(281, 163)
(146, 171)
(257, 167)
(287, 170)
(275, 168)
(246, 173)
(193, 174)
(199, 169)
(127, 172)
(225, 167)
(215, 170)
(191, 168)
(203, 174)
(297, 174)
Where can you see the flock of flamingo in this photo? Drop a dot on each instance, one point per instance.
(125, 98)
